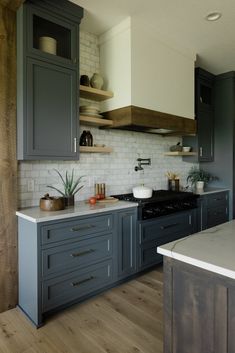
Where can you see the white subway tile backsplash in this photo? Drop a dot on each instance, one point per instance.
(115, 169)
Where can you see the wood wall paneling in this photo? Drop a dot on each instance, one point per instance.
(8, 163)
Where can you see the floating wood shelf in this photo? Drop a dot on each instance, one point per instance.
(94, 94)
(93, 149)
(92, 121)
(180, 153)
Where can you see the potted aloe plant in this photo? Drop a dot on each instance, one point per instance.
(199, 178)
(70, 187)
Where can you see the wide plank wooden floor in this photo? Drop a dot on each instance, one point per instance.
(126, 319)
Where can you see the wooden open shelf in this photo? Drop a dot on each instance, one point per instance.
(93, 149)
(94, 94)
(180, 153)
(93, 121)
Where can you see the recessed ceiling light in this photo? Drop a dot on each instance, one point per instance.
(213, 16)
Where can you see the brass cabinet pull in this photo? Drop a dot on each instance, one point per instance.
(82, 253)
(76, 284)
(169, 226)
(78, 228)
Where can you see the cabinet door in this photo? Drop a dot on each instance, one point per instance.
(213, 210)
(126, 243)
(205, 136)
(204, 93)
(51, 37)
(51, 116)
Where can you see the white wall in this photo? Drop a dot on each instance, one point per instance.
(115, 169)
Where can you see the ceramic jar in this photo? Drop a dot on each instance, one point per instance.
(48, 45)
(200, 186)
(97, 81)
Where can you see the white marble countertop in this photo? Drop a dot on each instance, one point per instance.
(211, 191)
(36, 215)
(212, 249)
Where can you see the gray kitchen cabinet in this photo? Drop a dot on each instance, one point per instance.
(203, 142)
(126, 239)
(47, 80)
(162, 230)
(64, 261)
(224, 165)
(213, 209)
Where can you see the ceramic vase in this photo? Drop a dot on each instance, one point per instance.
(200, 186)
(97, 81)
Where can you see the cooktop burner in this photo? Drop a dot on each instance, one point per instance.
(158, 196)
(162, 202)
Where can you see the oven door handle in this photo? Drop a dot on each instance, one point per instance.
(169, 226)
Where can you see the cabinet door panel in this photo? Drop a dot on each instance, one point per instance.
(199, 322)
(126, 243)
(42, 24)
(62, 258)
(205, 136)
(74, 285)
(51, 111)
(76, 229)
(179, 224)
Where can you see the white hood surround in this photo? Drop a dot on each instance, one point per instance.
(146, 73)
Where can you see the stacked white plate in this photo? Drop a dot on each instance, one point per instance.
(90, 110)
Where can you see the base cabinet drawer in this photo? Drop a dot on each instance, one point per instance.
(63, 289)
(79, 229)
(180, 224)
(213, 210)
(216, 216)
(218, 199)
(61, 258)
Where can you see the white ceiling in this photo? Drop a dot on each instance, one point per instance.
(180, 22)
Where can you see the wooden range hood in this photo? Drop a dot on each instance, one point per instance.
(150, 121)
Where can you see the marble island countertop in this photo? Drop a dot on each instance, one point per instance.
(212, 249)
(81, 208)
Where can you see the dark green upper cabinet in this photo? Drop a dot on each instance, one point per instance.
(203, 142)
(48, 80)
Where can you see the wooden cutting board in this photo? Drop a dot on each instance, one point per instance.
(108, 199)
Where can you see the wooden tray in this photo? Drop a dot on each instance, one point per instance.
(108, 199)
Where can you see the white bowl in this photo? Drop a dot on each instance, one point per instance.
(186, 149)
(142, 192)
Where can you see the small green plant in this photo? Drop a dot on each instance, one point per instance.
(197, 174)
(71, 185)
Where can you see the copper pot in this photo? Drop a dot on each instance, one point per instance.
(52, 203)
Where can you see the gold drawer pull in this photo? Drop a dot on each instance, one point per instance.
(78, 228)
(82, 253)
(76, 284)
